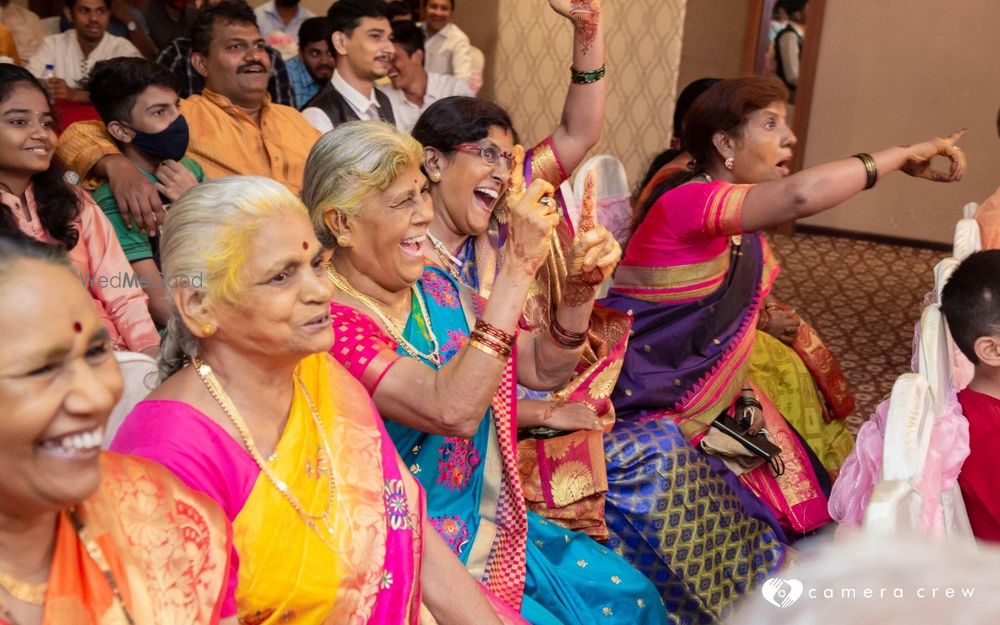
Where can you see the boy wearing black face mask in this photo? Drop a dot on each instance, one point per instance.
(138, 102)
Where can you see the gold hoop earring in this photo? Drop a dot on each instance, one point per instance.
(729, 163)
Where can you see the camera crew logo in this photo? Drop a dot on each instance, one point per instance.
(781, 592)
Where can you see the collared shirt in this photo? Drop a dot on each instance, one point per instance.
(27, 28)
(269, 21)
(438, 86)
(448, 52)
(99, 261)
(363, 107)
(71, 64)
(304, 86)
(224, 141)
(177, 58)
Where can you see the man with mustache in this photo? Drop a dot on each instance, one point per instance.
(312, 67)
(235, 129)
(413, 88)
(362, 43)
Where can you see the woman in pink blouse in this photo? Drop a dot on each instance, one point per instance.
(38, 203)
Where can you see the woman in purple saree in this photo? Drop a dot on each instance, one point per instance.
(694, 279)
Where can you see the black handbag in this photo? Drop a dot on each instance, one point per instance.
(758, 444)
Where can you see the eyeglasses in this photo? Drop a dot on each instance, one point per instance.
(490, 153)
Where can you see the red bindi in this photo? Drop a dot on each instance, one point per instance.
(305, 245)
(77, 327)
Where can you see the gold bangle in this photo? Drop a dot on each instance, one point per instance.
(871, 170)
(502, 348)
(486, 349)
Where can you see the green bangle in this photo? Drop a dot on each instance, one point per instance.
(585, 78)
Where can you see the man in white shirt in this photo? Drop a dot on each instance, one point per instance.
(75, 51)
(282, 16)
(448, 50)
(414, 89)
(362, 43)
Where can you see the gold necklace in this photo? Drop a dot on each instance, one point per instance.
(434, 357)
(35, 593)
(449, 260)
(313, 521)
(24, 591)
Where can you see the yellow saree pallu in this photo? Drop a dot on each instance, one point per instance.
(291, 573)
(167, 548)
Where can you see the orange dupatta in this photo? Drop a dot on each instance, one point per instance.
(167, 548)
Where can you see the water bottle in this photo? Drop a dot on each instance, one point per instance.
(50, 72)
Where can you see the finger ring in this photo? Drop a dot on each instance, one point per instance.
(548, 202)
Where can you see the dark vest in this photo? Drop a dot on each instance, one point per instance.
(339, 111)
(780, 62)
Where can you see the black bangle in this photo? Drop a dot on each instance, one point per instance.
(585, 78)
(871, 171)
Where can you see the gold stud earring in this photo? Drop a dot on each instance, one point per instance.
(207, 329)
(343, 240)
(436, 176)
(729, 162)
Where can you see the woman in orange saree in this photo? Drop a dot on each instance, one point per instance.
(86, 538)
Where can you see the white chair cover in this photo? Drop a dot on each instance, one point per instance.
(967, 238)
(614, 201)
(969, 210)
(140, 377)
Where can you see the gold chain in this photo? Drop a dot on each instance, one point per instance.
(226, 403)
(434, 357)
(24, 591)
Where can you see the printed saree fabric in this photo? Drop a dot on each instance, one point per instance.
(563, 479)
(694, 285)
(473, 487)
(361, 563)
(166, 546)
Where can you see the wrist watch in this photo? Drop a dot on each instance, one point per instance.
(131, 26)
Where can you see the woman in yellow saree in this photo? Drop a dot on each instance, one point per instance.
(328, 526)
(86, 537)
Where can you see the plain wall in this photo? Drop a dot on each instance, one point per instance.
(714, 33)
(900, 71)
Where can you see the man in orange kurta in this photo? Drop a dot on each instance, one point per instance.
(235, 129)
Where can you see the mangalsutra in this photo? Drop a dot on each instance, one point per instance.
(434, 357)
(313, 521)
(451, 262)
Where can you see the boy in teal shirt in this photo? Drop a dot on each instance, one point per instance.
(138, 102)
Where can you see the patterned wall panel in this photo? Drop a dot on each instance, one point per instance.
(643, 45)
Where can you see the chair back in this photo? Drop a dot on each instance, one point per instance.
(140, 377)
(614, 198)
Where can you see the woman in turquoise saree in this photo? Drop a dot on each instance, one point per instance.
(442, 365)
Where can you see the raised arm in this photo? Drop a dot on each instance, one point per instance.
(583, 113)
(819, 188)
